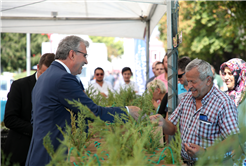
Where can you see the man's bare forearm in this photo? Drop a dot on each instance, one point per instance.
(167, 126)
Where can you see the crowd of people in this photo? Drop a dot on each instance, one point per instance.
(206, 112)
(103, 85)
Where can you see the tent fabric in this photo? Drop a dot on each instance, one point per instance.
(116, 18)
(161, 2)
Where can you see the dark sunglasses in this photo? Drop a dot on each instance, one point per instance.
(99, 74)
(181, 75)
(85, 55)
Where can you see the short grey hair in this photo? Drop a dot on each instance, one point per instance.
(67, 44)
(203, 67)
(157, 84)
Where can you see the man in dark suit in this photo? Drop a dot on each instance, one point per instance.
(49, 96)
(18, 113)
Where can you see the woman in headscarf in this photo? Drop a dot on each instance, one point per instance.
(234, 73)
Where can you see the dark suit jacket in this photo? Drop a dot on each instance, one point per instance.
(17, 119)
(48, 98)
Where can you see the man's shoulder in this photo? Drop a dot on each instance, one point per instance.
(186, 97)
(56, 76)
(132, 83)
(180, 85)
(181, 95)
(120, 83)
(221, 97)
(181, 89)
(107, 83)
(160, 76)
(93, 83)
(220, 94)
(184, 106)
(56, 67)
(151, 79)
(25, 79)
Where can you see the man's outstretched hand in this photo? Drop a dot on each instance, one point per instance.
(157, 119)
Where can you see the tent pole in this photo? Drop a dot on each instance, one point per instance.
(169, 49)
(172, 60)
(28, 57)
(147, 48)
(152, 11)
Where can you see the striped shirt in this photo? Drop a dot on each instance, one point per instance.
(219, 111)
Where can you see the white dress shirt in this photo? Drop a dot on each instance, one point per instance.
(123, 85)
(67, 69)
(104, 88)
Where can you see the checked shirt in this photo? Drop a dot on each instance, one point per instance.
(221, 115)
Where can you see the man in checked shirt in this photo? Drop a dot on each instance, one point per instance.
(205, 113)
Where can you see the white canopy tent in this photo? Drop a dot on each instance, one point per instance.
(116, 18)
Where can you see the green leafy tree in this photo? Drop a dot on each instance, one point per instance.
(13, 50)
(115, 48)
(212, 30)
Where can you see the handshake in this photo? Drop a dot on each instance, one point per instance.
(133, 111)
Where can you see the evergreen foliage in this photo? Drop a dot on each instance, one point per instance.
(124, 142)
(125, 97)
(48, 145)
(175, 145)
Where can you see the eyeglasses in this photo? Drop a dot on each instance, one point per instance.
(85, 55)
(99, 74)
(181, 75)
